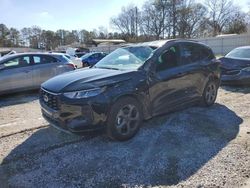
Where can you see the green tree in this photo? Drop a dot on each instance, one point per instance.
(4, 32)
(237, 24)
(14, 37)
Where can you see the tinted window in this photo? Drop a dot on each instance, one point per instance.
(206, 53)
(168, 59)
(95, 56)
(192, 53)
(98, 55)
(43, 59)
(86, 56)
(18, 62)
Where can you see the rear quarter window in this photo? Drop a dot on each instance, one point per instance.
(49, 59)
(64, 59)
(206, 53)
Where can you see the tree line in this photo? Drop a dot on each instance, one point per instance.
(157, 19)
(35, 37)
(180, 18)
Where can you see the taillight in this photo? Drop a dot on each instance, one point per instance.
(72, 65)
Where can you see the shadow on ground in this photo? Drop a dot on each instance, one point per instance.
(166, 151)
(18, 98)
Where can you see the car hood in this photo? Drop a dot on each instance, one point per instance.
(232, 64)
(86, 78)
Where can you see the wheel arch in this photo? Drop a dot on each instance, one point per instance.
(139, 99)
(210, 77)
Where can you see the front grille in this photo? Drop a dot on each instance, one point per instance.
(49, 99)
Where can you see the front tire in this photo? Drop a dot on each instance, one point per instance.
(210, 93)
(124, 119)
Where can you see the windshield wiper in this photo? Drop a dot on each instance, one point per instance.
(107, 68)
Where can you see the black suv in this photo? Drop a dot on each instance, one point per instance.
(132, 84)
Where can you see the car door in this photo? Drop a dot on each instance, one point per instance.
(16, 74)
(195, 60)
(167, 82)
(44, 67)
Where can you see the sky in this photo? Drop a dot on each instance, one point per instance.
(66, 14)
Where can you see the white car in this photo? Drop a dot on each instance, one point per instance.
(77, 61)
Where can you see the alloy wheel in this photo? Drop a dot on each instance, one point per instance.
(210, 93)
(127, 119)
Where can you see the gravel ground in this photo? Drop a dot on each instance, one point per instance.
(195, 147)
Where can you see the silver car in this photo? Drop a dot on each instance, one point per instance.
(25, 71)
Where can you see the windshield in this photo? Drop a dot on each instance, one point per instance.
(86, 55)
(126, 58)
(3, 58)
(239, 53)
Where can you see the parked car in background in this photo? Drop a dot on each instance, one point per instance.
(131, 84)
(80, 54)
(92, 58)
(25, 71)
(235, 67)
(77, 61)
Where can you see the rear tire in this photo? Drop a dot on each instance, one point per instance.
(124, 119)
(210, 93)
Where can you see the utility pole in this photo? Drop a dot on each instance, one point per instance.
(174, 17)
(163, 16)
(136, 23)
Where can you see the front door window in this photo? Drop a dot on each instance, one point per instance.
(168, 59)
(18, 62)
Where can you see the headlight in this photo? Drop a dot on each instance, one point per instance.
(83, 93)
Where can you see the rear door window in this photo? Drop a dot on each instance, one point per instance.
(193, 53)
(190, 53)
(42, 59)
(206, 54)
